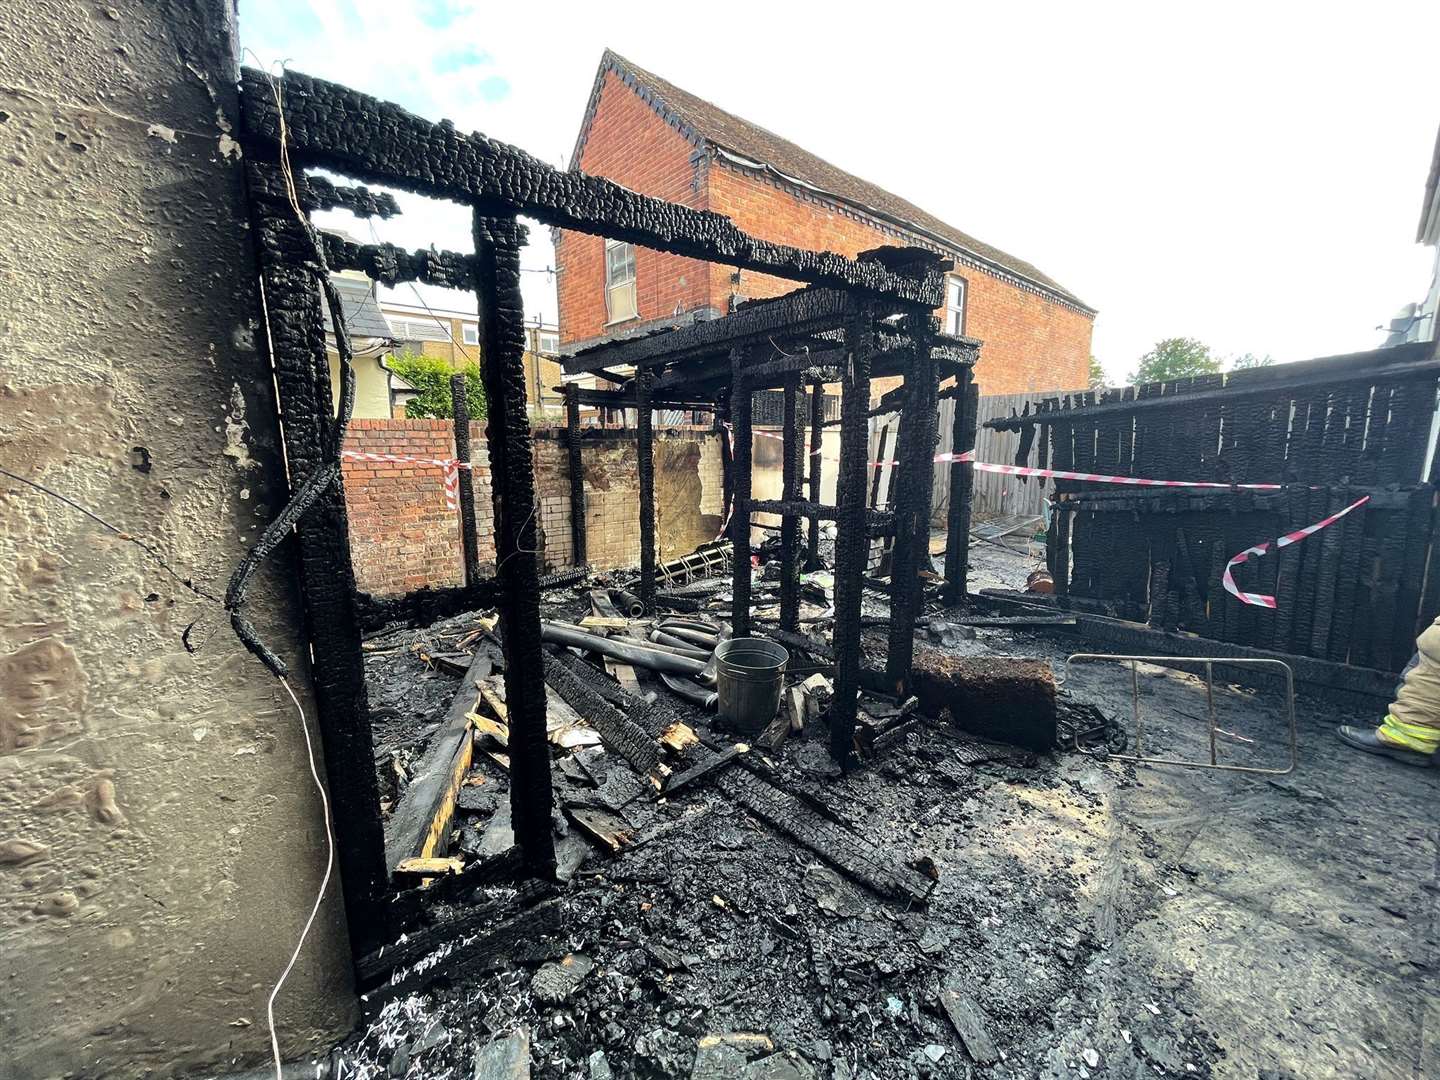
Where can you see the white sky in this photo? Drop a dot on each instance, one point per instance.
(1246, 174)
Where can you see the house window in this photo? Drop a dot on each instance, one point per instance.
(955, 306)
(470, 333)
(548, 341)
(619, 281)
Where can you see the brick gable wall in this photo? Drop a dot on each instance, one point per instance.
(633, 146)
(1031, 341)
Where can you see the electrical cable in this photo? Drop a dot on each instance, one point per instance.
(324, 882)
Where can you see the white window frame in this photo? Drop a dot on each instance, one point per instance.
(955, 313)
(470, 333)
(619, 285)
(553, 336)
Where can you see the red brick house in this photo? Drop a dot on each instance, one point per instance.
(656, 139)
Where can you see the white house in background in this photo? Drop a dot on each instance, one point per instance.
(379, 392)
(1416, 322)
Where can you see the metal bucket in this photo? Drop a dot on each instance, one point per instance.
(749, 675)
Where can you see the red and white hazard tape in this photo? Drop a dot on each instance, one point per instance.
(450, 470)
(1261, 599)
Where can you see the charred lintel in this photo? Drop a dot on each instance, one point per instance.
(391, 265)
(645, 454)
(790, 526)
(577, 474)
(776, 371)
(425, 606)
(502, 335)
(804, 311)
(334, 127)
(740, 498)
(625, 399)
(318, 193)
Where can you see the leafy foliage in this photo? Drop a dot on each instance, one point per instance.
(1246, 361)
(430, 375)
(1097, 375)
(1176, 358)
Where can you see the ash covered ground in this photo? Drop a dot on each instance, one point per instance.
(1093, 917)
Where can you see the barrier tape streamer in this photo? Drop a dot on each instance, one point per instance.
(1261, 599)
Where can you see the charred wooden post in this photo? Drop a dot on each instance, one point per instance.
(915, 452)
(577, 475)
(789, 524)
(645, 450)
(327, 579)
(469, 541)
(502, 336)
(813, 472)
(962, 483)
(740, 496)
(850, 541)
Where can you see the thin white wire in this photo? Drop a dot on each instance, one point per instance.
(324, 881)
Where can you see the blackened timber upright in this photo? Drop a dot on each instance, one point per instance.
(502, 336)
(850, 540)
(645, 451)
(577, 475)
(790, 525)
(740, 497)
(962, 483)
(915, 451)
(812, 472)
(327, 578)
(469, 540)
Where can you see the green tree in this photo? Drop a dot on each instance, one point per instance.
(430, 375)
(1097, 375)
(1176, 358)
(1246, 361)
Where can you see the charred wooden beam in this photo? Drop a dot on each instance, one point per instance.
(813, 472)
(790, 526)
(391, 265)
(740, 498)
(645, 454)
(502, 335)
(577, 475)
(850, 543)
(327, 580)
(469, 539)
(332, 126)
(962, 485)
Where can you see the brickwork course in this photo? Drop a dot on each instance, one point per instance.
(403, 538)
(657, 139)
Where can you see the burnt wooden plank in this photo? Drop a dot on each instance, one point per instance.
(850, 853)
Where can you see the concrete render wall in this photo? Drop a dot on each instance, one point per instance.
(160, 841)
(402, 536)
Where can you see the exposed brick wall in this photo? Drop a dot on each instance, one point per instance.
(403, 538)
(401, 535)
(631, 145)
(1031, 341)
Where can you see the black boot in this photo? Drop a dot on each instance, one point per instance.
(1366, 739)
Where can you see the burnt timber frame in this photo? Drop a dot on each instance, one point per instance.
(811, 336)
(308, 123)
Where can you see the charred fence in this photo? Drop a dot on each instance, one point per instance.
(1329, 431)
